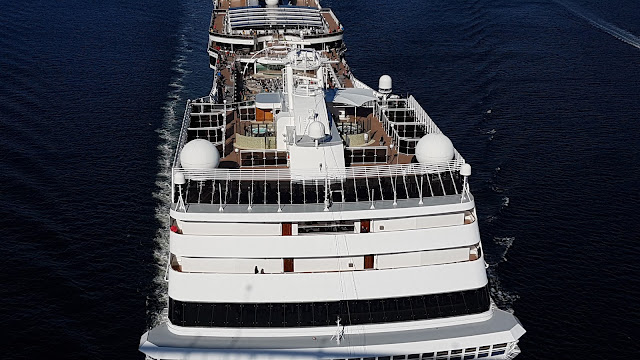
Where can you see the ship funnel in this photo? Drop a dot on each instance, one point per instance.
(384, 84)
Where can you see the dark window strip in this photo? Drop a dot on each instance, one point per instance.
(351, 312)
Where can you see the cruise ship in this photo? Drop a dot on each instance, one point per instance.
(315, 217)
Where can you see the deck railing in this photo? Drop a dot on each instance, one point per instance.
(360, 85)
(297, 175)
(366, 154)
(284, 187)
(182, 137)
(334, 77)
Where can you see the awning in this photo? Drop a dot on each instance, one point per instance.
(350, 96)
(268, 101)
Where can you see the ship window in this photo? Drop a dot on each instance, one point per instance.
(442, 353)
(457, 357)
(326, 226)
(384, 357)
(495, 353)
(467, 357)
(399, 357)
(499, 345)
(427, 356)
(350, 312)
(262, 315)
(483, 355)
(486, 347)
(457, 351)
(470, 349)
(291, 315)
(413, 356)
(276, 314)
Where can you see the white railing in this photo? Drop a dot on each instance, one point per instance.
(182, 137)
(333, 76)
(360, 85)
(368, 154)
(270, 157)
(422, 116)
(375, 171)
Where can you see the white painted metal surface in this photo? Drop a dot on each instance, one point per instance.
(327, 249)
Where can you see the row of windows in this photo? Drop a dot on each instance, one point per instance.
(350, 312)
(312, 192)
(459, 354)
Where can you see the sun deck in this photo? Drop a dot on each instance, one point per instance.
(243, 19)
(372, 134)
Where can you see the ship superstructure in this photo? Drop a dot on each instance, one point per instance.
(313, 217)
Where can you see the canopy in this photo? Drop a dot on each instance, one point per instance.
(350, 96)
(268, 101)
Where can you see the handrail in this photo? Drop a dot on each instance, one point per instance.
(360, 85)
(430, 125)
(327, 174)
(334, 77)
(182, 137)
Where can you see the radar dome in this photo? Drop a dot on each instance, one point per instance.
(199, 154)
(271, 3)
(385, 84)
(434, 149)
(316, 130)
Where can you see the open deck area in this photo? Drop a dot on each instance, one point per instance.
(242, 18)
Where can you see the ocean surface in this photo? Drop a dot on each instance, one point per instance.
(541, 97)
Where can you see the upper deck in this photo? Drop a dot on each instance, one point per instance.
(245, 24)
(254, 175)
(272, 86)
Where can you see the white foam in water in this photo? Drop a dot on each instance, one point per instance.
(618, 33)
(502, 297)
(173, 110)
(505, 201)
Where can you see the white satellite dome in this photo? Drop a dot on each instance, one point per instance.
(385, 84)
(271, 3)
(434, 149)
(316, 130)
(199, 154)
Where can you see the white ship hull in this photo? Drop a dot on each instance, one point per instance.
(313, 217)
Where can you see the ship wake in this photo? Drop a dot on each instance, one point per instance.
(598, 23)
(168, 133)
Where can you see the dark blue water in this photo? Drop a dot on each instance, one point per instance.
(541, 97)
